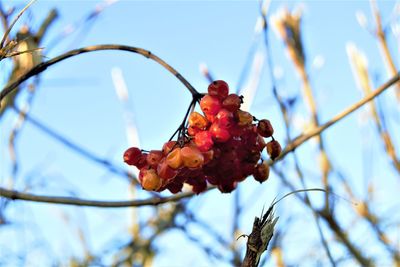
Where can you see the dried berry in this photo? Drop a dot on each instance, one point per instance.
(261, 172)
(274, 149)
(264, 128)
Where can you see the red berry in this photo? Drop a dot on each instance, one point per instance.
(210, 105)
(208, 156)
(166, 172)
(219, 89)
(199, 186)
(192, 131)
(210, 118)
(142, 162)
(203, 141)
(264, 128)
(175, 187)
(260, 143)
(192, 157)
(224, 118)
(232, 102)
(219, 134)
(212, 179)
(261, 172)
(274, 149)
(227, 187)
(132, 155)
(154, 157)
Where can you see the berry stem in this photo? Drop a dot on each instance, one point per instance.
(181, 129)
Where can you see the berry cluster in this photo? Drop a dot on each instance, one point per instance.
(221, 147)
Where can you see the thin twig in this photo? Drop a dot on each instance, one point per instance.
(332, 222)
(5, 36)
(75, 147)
(154, 201)
(381, 36)
(284, 111)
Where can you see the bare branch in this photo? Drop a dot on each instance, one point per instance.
(14, 21)
(44, 65)
(154, 201)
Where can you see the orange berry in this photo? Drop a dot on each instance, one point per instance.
(149, 179)
(174, 158)
(192, 157)
(192, 131)
(197, 120)
(167, 147)
(244, 118)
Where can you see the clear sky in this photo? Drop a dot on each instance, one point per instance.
(77, 98)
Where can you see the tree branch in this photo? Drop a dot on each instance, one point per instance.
(317, 130)
(158, 200)
(154, 201)
(44, 65)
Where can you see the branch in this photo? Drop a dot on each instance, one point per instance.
(51, 17)
(317, 130)
(258, 240)
(158, 200)
(44, 65)
(75, 147)
(154, 201)
(5, 36)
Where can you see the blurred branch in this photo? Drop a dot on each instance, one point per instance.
(75, 147)
(15, 195)
(381, 35)
(327, 216)
(155, 201)
(45, 25)
(365, 212)
(285, 115)
(5, 36)
(288, 25)
(44, 65)
(333, 224)
(237, 210)
(317, 130)
(360, 72)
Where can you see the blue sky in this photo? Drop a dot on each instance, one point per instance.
(77, 98)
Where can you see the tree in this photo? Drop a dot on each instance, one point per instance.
(61, 136)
